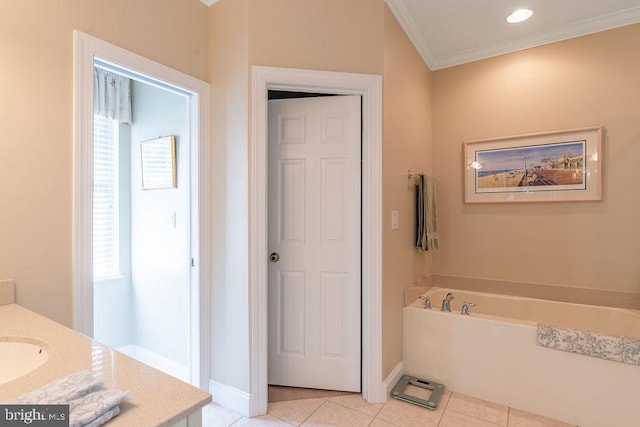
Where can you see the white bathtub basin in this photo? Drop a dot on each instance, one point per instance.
(493, 354)
(20, 356)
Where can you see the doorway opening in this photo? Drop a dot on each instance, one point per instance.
(141, 231)
(162, 255)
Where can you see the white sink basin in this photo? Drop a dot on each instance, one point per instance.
(19, 356)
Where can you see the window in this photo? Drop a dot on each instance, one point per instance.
(105, 199)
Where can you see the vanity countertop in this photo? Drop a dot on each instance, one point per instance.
(158, 399)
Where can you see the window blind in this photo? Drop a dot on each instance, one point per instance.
(105, 198)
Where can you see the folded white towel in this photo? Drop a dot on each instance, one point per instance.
(91, 402)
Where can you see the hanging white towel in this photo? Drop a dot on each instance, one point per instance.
(91, 402)
(427, 218)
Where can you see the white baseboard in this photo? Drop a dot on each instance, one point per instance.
(230, 398)
(379, 392)
(155, 360)
(376, 393)
(240, 401)
(393, 378)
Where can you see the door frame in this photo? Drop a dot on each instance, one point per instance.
(86, 49)
(370, 88)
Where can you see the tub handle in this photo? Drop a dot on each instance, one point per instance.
(427, 301)
(465, 307)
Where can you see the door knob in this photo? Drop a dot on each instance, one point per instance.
(274, 257)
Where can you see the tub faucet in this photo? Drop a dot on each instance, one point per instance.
(427, 301)
(465, 307)
(446, 306)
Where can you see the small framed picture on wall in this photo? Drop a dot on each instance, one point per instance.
(158, 157)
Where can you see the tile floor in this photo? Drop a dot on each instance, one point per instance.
(454, 410)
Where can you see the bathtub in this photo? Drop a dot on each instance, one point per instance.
(493, 354)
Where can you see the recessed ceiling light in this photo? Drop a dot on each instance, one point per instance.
(519, 16)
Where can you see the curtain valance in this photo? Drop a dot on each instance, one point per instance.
(111, 95)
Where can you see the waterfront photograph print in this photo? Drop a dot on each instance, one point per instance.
(552, 166)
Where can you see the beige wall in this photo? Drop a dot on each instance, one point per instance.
(591, 80)
(229, 77)
(407, 145)
(332, 35)
(36, 116)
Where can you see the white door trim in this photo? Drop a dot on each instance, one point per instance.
(86, 48)
(370, 88)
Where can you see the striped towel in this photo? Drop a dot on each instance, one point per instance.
(427, 218)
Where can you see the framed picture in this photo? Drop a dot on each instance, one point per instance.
(158, 158)
(554, 166)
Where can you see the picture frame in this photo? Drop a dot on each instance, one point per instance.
(158, 161)
(556, 166)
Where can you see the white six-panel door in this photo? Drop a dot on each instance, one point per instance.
(314, 208)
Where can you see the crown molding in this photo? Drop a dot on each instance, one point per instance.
(566, 32)
(582, 28)
(410, 28)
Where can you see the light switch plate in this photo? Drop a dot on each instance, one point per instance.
(395, 220)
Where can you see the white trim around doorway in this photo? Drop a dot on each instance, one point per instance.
(87, 49)
(370, 88)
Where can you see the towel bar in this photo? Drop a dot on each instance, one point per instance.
(411, 174)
